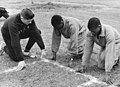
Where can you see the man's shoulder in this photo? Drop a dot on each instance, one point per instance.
(12, 20)
(73, 21)
(108, 28)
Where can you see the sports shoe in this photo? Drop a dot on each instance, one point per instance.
(21, 65)
(29, 54)
(2, 45)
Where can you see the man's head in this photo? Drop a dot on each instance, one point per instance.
(94, 25)
(57, 22)
(26, 16)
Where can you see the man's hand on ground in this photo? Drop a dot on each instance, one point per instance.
(107, 78)
(54, 56)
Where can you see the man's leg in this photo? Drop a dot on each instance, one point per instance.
(29, 45)
(33, 37)
(39, 40)
(28, 34)
(31, 41)
(81, 44)
(9, 50)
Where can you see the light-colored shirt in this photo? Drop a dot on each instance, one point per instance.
(71, 30)
(109, 40)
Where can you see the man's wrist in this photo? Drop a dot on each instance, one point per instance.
(43, 50)
(53, 52)
(108, 73)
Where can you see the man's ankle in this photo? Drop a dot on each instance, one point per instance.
(29, 54)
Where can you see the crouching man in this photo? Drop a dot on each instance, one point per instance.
(72, 29)
(108, 38)
(21, 26)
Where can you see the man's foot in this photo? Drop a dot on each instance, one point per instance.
(21, 65)
(29, 54)
(2, 45)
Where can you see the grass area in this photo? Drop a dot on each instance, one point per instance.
(43, 16)
(42, 74)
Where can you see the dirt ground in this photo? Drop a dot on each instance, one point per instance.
(107, 10)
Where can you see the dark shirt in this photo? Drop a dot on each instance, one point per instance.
(12, 29)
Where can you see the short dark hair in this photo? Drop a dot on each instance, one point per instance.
(27, 13)
(56, 20)
(93, 23)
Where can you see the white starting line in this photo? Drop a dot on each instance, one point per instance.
(92, 79)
